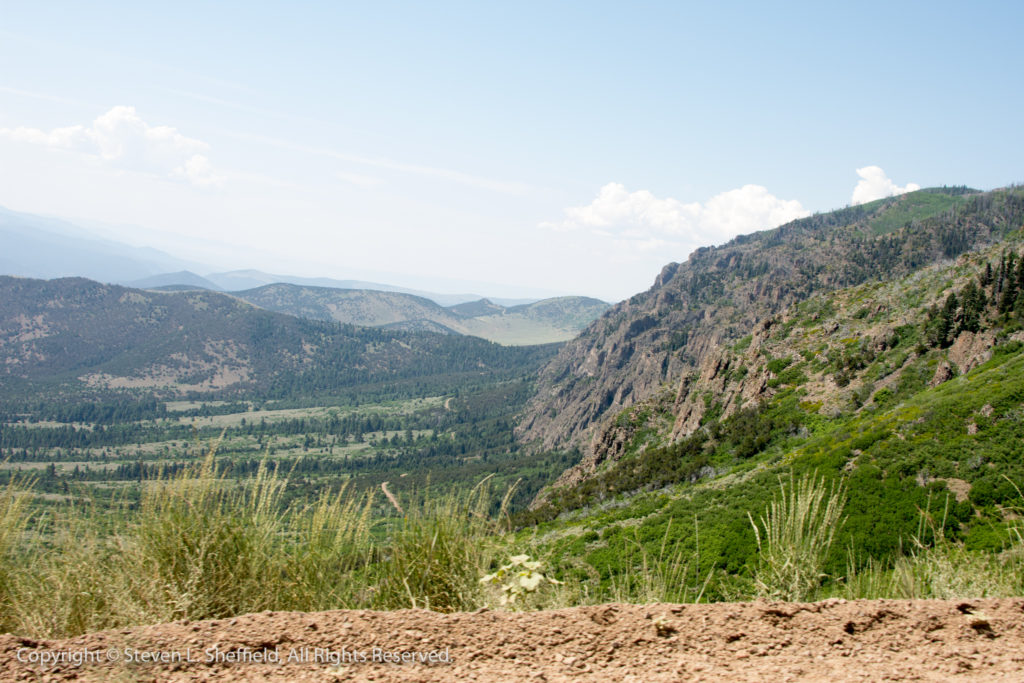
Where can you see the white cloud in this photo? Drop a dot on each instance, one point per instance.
(644, 222)
(120, 137)
(874, 184)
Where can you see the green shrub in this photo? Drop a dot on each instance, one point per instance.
(777, 365)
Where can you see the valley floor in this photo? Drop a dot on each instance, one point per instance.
(834, 640)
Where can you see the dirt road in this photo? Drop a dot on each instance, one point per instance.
(760, 641)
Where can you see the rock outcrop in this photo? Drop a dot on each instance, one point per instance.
(676, 336)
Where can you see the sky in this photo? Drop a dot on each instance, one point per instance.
(522, 148)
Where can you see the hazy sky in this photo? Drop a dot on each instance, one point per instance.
(565, 147)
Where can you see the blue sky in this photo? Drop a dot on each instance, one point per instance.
(524, 147)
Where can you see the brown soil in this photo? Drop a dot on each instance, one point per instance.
(833, 640)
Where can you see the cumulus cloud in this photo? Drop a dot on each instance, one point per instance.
(120, 137)
(645, 222)
(874, 184)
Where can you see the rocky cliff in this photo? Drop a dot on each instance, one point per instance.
(657, 342)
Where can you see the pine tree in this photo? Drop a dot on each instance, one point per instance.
(973, 301)
(1010, 285)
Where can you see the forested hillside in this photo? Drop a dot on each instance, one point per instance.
(68, 337)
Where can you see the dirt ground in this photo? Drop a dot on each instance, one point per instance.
(833, 640)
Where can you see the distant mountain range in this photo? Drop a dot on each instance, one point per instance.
(238, 280)
(66, 336)
(540, 322)
(34, 246)
(47, 248)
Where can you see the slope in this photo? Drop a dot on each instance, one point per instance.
(908, 391)
(72, 335)
(657, 337)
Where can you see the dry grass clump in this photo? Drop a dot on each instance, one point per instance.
(795, 536)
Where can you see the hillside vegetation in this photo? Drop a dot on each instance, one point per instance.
(831, 409)
(67, 337)
(905, 395)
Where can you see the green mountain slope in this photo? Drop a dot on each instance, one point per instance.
(73, 335)
(659, 337)
(909, 391)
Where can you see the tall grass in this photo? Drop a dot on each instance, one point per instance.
(672, 575)
(330, 541)
(794, 538)
(13, 520)
(202, 545)
(205, 548)
(434, 556)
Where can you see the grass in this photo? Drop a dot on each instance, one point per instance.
(937, 567)
(199, 545)
(912, 206)
(672, 575)
(794, 536)
(435, 555)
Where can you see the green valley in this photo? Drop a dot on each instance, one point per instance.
(853, 379)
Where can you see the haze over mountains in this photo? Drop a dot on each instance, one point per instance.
(540, 322)
(48, 248)
(44, 247)
(238, 280)
(64, 336)
(35, 246)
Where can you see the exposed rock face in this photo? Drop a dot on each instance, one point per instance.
(660, 337)
(971, 350)
(686, 403)
(943, 373)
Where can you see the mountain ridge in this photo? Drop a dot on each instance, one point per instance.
(654, 339)
(75, 335)
(546, 321)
